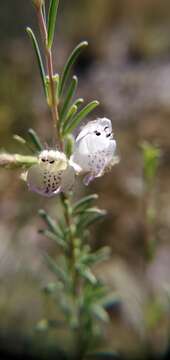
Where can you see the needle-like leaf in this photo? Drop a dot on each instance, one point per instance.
(71, 125)
(50, 223)
(35, 139)
(39, 59)
(69, 95)
(52, 14)
(70, 62)
(84, 203)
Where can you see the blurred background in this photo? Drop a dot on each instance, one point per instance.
(127, 68)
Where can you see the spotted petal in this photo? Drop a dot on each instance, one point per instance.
(95, 148)
(51, 175)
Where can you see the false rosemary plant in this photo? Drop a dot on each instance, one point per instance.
(52, 172)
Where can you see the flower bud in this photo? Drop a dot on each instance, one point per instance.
(69, 145)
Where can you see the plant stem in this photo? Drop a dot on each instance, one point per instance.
(53, 104)
(52, 97)
(149, 224)
(73, 241)
(71, 256)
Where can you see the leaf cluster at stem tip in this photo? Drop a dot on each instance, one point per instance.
(70, 111)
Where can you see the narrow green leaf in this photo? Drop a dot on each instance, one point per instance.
(79, 102)
(84, 203)
(39, 59)
(69, 95)
(72, 111)
(93, 210)
(56, 238)
(94, 218)
(50, 223)
(94, 293)
(52, 14)
(71, 125)
(23, 142)
(96, 257)
(69, 145)
(98, 293)
(19, 139)
(71, 60)
(62, 276)
(61, 224)
(35, 139)
(87, 274)
(87, 220)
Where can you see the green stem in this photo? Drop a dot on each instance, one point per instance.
(53, 104)
(65, 199)
(73, 241)
(71, 257)
(149, 224)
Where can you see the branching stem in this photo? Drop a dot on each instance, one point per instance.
(73, 241)
(65, 199)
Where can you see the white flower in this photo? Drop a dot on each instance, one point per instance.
(94, 150)
(52, 174)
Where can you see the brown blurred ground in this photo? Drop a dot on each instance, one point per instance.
(127, 67)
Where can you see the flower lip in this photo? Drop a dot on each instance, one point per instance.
(53, 157)
(99, 125)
